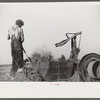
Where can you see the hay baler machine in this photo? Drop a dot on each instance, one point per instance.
(88, 67)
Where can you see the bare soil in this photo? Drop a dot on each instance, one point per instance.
(21, 77)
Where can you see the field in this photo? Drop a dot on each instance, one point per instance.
(4, 72)
(50, 74)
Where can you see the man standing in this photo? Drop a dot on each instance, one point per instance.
(16, 35)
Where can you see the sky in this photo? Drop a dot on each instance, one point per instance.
(47, 23)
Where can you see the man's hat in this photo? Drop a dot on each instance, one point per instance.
(19, 22)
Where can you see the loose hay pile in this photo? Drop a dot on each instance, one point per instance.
(21, 77)
(38, 69)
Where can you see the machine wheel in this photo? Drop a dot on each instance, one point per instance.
(88, 67)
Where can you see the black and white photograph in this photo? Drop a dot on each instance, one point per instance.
(49, 42)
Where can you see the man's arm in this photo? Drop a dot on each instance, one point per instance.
(22, 35)
(8, 37)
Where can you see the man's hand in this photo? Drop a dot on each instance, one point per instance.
(8, 36)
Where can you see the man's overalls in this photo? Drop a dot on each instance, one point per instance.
(17, 54)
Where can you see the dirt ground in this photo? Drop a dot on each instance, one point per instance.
(21, 77)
